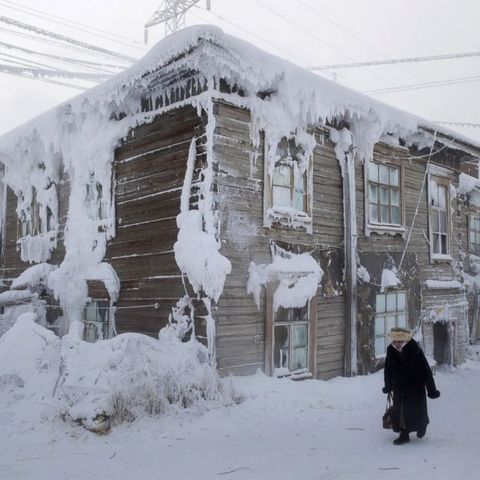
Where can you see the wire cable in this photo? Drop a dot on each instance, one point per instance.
(63, 38)
(63, 21)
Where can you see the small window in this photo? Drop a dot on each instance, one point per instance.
(439, 217)
(97, 320)
(36, 218)
(287, 187)
(391, 311)
(94, 199)
(384, 195)
(290, 349)
(474, 235)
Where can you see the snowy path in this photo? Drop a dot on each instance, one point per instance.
(282, 431)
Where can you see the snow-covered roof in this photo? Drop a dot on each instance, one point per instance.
(207, 49)
(79, 137)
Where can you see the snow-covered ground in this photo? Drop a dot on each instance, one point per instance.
(279, 430)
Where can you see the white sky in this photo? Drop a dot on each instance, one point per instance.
(327, 32)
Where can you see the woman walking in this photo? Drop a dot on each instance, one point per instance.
(407, 375)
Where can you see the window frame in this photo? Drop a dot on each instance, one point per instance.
(384, 315)
(289, 216)
(372, 226)
(104, 325)
(444, 181)
(475, 217)
(32, 223)
(270, 332)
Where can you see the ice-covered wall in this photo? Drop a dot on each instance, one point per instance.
(80, 136)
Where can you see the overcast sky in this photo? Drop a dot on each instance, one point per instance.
(306, 32)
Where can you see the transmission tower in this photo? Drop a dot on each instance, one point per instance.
(172, 14)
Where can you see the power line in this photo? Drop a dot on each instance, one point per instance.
(223, 19)
(460, 124)
(30, 74)
(63, 38)
(300, 27)
(418, 86)
(84, 63)
(396, 61)
(49, 72)
(64, 21)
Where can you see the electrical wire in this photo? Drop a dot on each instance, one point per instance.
(84, 63)
(64, 21)
(418, 86)
(396, 61)
(64, 38)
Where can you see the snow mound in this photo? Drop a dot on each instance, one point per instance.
(109, 382)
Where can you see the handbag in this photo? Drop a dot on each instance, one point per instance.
(387, 419)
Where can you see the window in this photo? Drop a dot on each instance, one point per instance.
(96, 319)
(474, 234)
(94, 199)
(290, 343)
(391, 311)
(287, 201)
(289, 187)
(384, 195)
(438, 217)
(37, 218)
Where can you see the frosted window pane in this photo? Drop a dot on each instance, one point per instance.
(443, 222)
(396, 215)
(384, 195)
(380, 306)
(281, 196)
(391, 302)
(391, 322)
(281, 346)
(373, 194)
(374, 213)
(436, 244)
(435, 223)
(282, 176)
(401, 298)
(444, 244)
(442, 196)
(299, 200)
(373, 171)
(380, 326)
(384, 215)
(383, 174)
(299, 359)
(395, 197)
(299, 336)
(379, 346)
(91, 312)
(394, 177)
(402, 320)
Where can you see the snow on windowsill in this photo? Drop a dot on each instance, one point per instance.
(288, 217)
(382, 229)
(438, 257)
(443, 285)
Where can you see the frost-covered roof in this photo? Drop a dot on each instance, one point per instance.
(207, 49)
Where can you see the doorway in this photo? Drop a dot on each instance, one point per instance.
(441, 345)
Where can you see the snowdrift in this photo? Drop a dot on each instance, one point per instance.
(109, 382)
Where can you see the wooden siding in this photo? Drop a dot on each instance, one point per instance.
(240, 182)
(149, 170)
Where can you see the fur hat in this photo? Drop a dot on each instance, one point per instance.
(398, 334)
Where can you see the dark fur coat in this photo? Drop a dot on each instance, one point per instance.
(407, 375)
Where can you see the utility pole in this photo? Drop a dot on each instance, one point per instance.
(172, 14)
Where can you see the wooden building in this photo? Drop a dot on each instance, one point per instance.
(388, 229)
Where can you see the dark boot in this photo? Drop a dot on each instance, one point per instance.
(403, 438)
(421, 432)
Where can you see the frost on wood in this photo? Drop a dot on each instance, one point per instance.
(76, 141)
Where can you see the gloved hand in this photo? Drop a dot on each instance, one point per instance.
(385, 390)
(434, 394)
